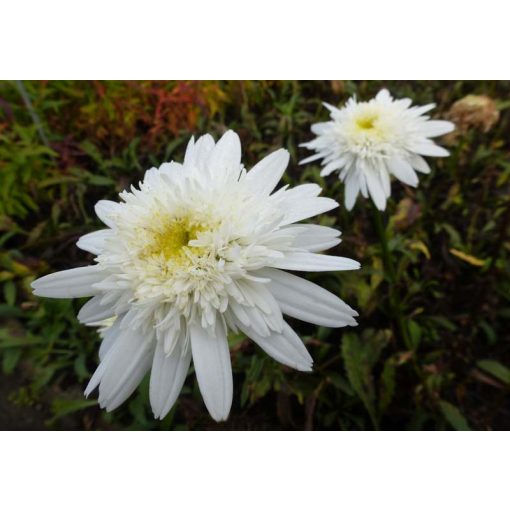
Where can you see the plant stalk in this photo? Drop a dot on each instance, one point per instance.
(389, 269)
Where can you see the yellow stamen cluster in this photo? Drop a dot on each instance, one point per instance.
(366, 121)
(170, 240)
(368, 128)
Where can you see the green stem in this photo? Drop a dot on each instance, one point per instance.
(389, 269)
(387, 260)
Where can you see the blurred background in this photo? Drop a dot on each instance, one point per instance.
(438, 360)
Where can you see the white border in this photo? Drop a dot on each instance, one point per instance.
(245, 470)
(275, 39)
(108, 39)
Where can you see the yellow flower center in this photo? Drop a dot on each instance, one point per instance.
(172, 238)
(366, 121)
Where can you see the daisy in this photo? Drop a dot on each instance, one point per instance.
(367, 142)
(198, 250)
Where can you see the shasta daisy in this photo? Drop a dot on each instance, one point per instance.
(198, 249)
(367, 142)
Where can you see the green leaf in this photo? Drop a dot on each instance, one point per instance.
(62, 407)
(340, 383)
(10, 360)
(91, 150)
(489, 332)
(80, 367)
(60, 179)
(9, 311)
(453, 416)
(101, 180)
(496, 369)
(444, 322)
(138, 410)
(10, 293)
(7, 340)
(358, 372)
(414, 333)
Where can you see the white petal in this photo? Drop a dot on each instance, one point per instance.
(203, 148)
(404, 103)
(190, 149)
(351, 191)
(309, 159)
(256, 320)
(403, 171)
(287, 347)
(266, 174)
(96, 378)
(152, 177)
(261, 323)
(429, 148)
(303, 209)
(375, 188)
(225, 157)
(110, 336)
(125, 365)
(170, 170)
(94, 242)
(307, 301)
(71, 283)
(314, 262)
(300, 192)
(362, 182)
(198, 152)
(321, 127)
(239, 312)
(420, 110)
(383, 95)
(94, 311)
(337, 164)
(106, 211)
(315, 238)
(264, 301)
(419, 163)
(386, 184)
(167, 377)
(211, 358)
(432, 128)
(331, 108)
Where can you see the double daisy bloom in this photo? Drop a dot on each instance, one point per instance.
(368, 142)
(203, 248)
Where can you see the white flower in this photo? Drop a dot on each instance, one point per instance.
(366, 142)
(197, 251)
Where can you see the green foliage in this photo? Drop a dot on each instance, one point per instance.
(360, 356)
(63, 407)
(432, 347)
(496, 369)
(453, 416)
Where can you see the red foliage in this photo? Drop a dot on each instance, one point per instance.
(112, 114)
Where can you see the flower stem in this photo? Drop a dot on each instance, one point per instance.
(389, 269)
(387, 260)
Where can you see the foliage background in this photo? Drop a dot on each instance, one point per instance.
(432, 349)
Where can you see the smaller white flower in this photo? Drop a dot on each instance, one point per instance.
(366, 142)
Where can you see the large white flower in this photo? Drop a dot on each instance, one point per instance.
(367, 142)
(196, 251)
